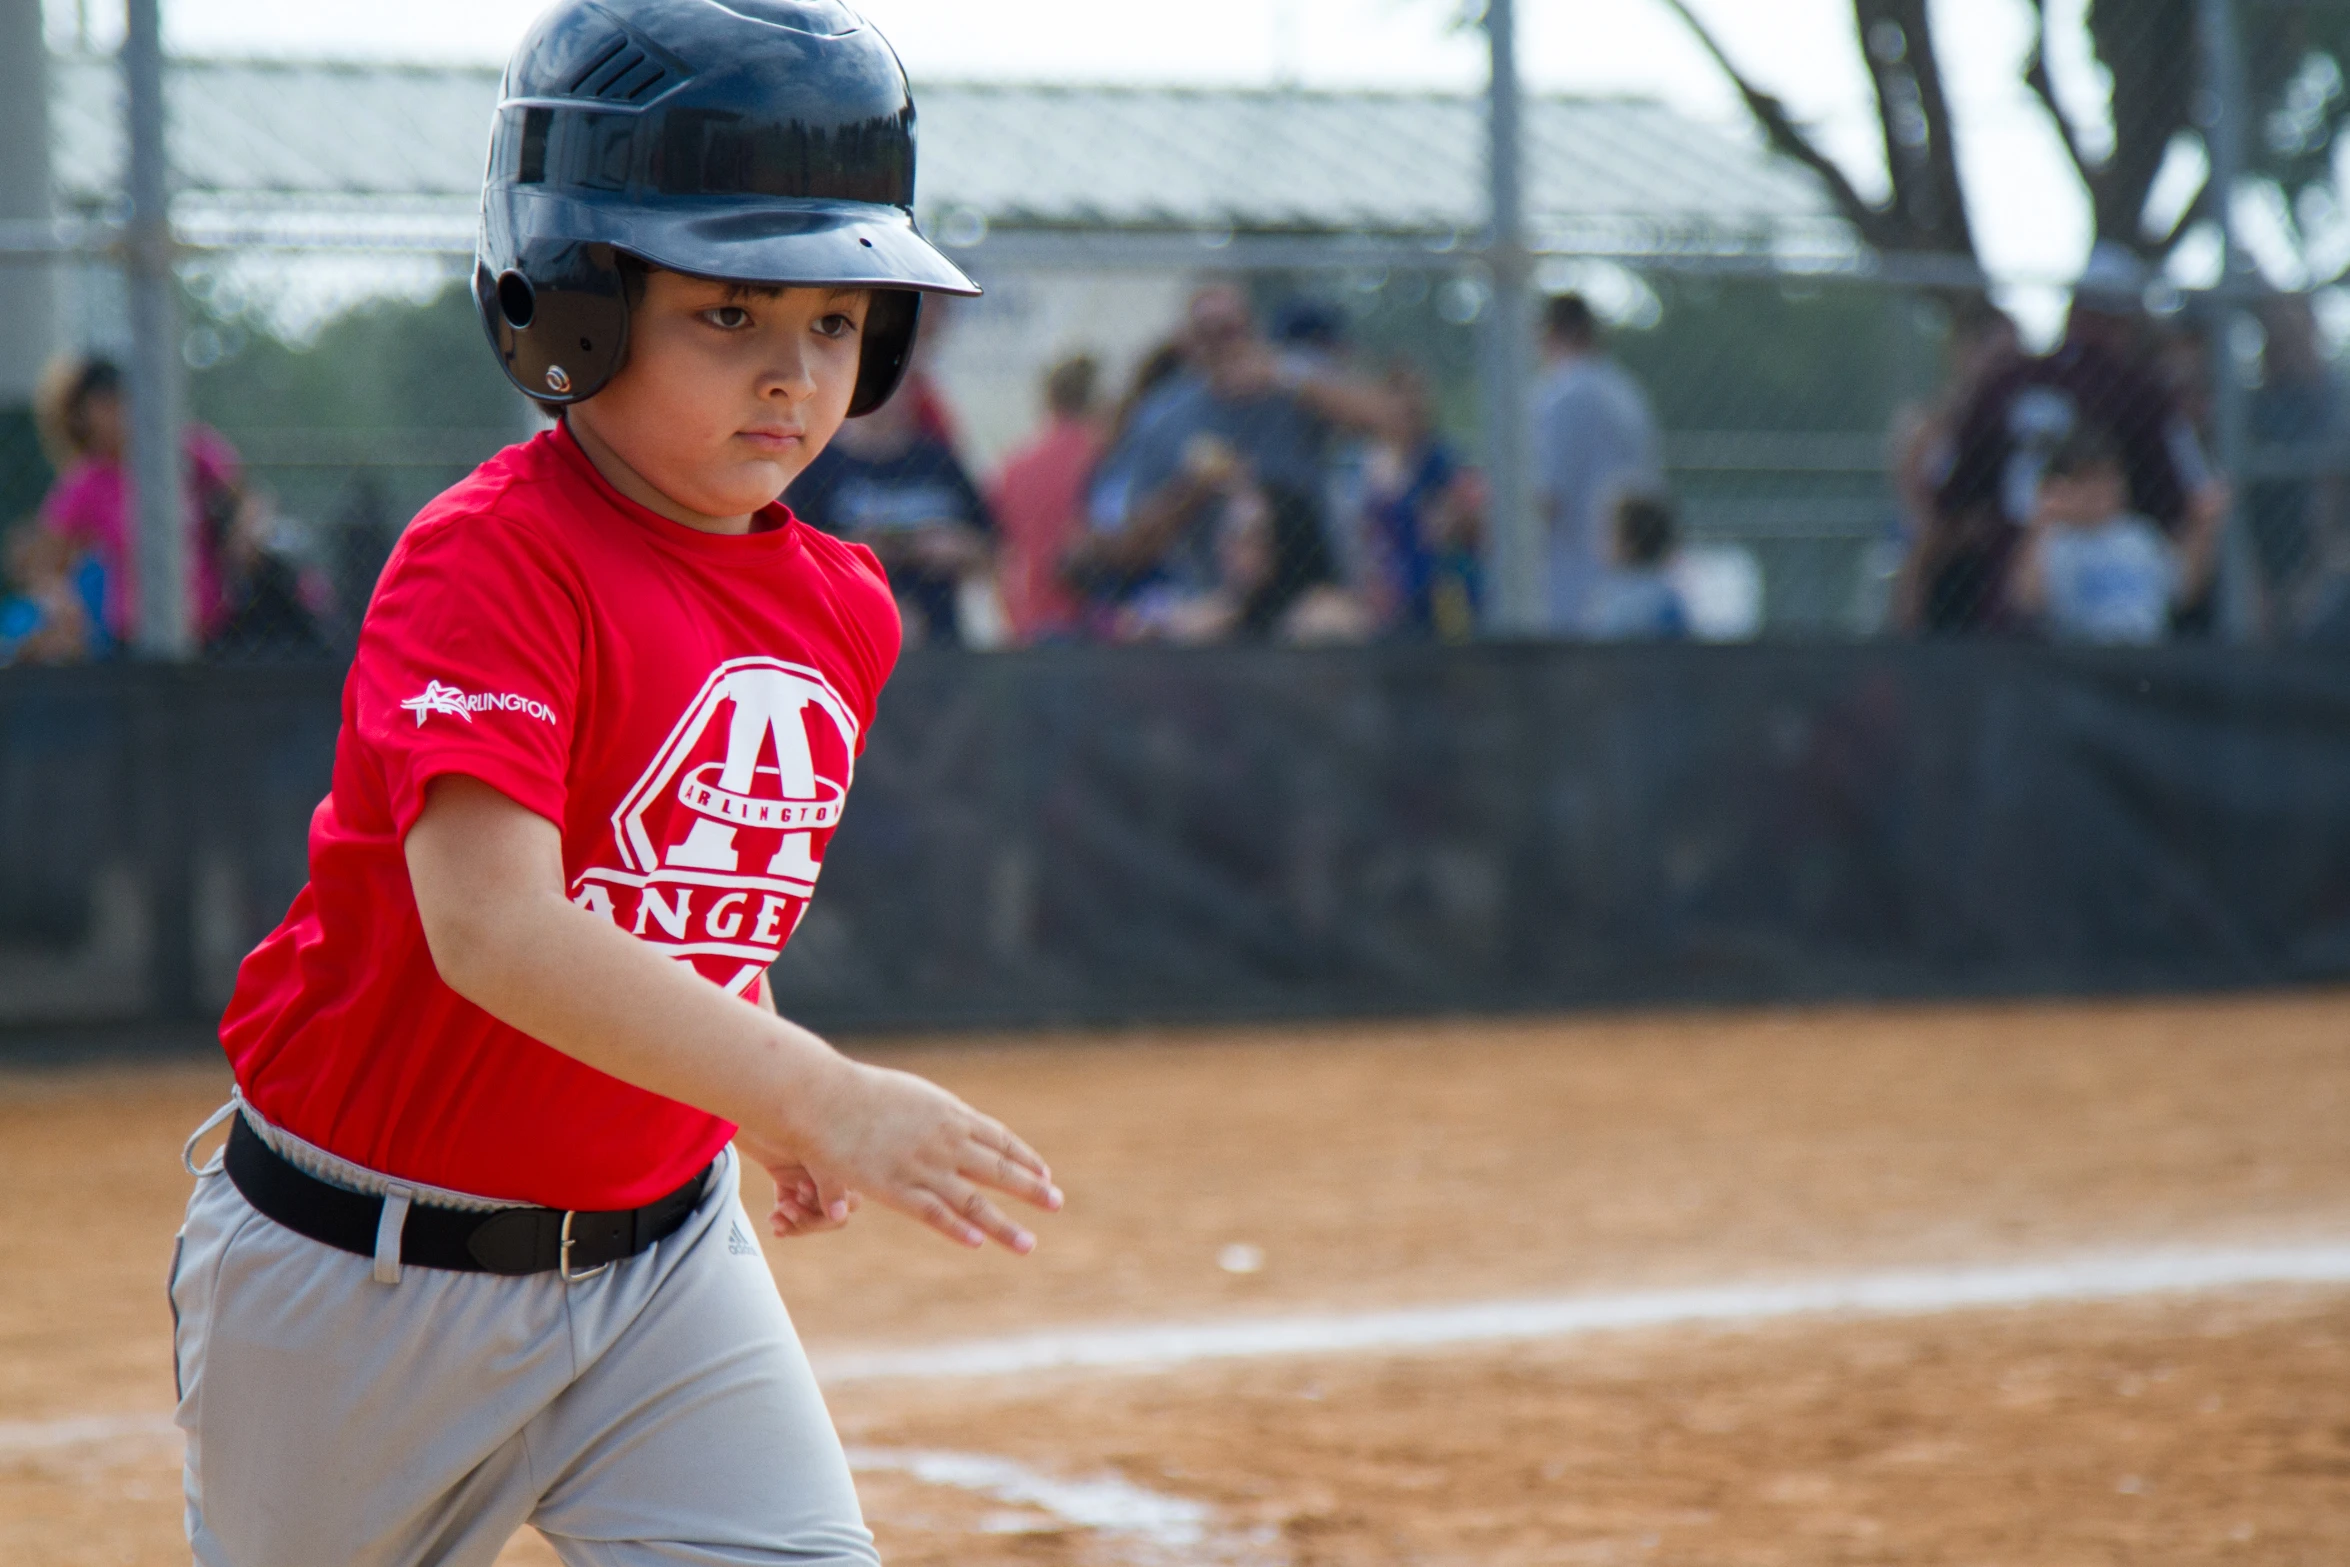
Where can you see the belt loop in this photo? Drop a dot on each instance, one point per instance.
(236, 1099)
(387, 1233)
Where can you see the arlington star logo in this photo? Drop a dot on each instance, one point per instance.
(438, 698)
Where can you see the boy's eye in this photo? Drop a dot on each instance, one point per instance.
(835, 325)
(727, 318)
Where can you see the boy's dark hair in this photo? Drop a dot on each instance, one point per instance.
(1069, 385)
(2090, 448)
(1645, 529)
(1569, 319)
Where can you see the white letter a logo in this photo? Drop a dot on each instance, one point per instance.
(766, 702)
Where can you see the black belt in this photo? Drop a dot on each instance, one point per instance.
(504, 1240)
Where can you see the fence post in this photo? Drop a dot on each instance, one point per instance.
(1518, 577)
(165, 629)
(28, 312)
(2239, 585)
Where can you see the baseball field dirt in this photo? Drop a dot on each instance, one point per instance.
(1330, 1171)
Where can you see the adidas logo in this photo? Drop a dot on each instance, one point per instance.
(737, 1242)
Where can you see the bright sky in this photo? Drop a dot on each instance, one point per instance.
(2030, 216)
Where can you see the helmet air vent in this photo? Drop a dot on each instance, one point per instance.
(621, 72)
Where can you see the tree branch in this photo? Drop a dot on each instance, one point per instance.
(2043, 87)
(1935, 200)
(1784, 135)
(2193, 212)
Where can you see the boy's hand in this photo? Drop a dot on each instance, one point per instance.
(798, 1209)
(914, 1147)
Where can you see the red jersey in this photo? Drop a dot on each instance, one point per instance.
(687, 707)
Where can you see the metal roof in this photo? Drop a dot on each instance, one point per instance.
(377, 152)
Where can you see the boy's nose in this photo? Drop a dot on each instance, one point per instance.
(790, 376)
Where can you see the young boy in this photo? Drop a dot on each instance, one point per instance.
(1637, 600)
(2094, 571)
(475, 1256)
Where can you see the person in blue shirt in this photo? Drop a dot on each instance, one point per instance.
(1637, 599)
(1422, 520)
(2095, 571)
(1237, 410)
(45, 617)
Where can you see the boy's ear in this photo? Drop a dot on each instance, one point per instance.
(557, 319)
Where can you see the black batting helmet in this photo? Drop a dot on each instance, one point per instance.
(758, 141)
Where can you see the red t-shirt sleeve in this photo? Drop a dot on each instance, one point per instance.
(879, 636)
(469, 662)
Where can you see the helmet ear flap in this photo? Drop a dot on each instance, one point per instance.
(890, 320)
(558, 318)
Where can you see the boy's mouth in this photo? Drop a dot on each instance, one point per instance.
(772, 439)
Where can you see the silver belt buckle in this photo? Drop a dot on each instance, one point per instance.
(563, 1257)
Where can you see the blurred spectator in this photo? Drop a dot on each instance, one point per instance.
(2099, 375)
(1636, 600)
(1422, 524)
(1111, 483)
(275, 606)
(1310, 336)
(2181, 359)
(2296, 416)
(933, 415)
(1235, 413)
(889, 483)
(80, 407)
(1271, 569)
(1158, 367)
(1595, 440)
(43, 618)
(2093, 570)
(1982, 341)
(1039, 502)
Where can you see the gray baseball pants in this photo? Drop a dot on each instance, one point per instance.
(350, 1411)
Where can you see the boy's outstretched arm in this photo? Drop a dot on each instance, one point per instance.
(489, 887)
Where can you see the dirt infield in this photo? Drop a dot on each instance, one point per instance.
(1400, 1165)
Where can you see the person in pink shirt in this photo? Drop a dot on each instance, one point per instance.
(1039, 504)
(83, 423)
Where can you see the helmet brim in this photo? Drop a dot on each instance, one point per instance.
(803, 244)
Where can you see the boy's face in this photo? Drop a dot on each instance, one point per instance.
(729, 390)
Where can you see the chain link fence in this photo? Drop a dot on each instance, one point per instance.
(1830, 430)
(1210, 436)
(1819, 457)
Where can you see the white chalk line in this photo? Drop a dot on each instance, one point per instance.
(1153, 1527)
(26, 1438)
(2095, 1277)
(1160, 1528)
